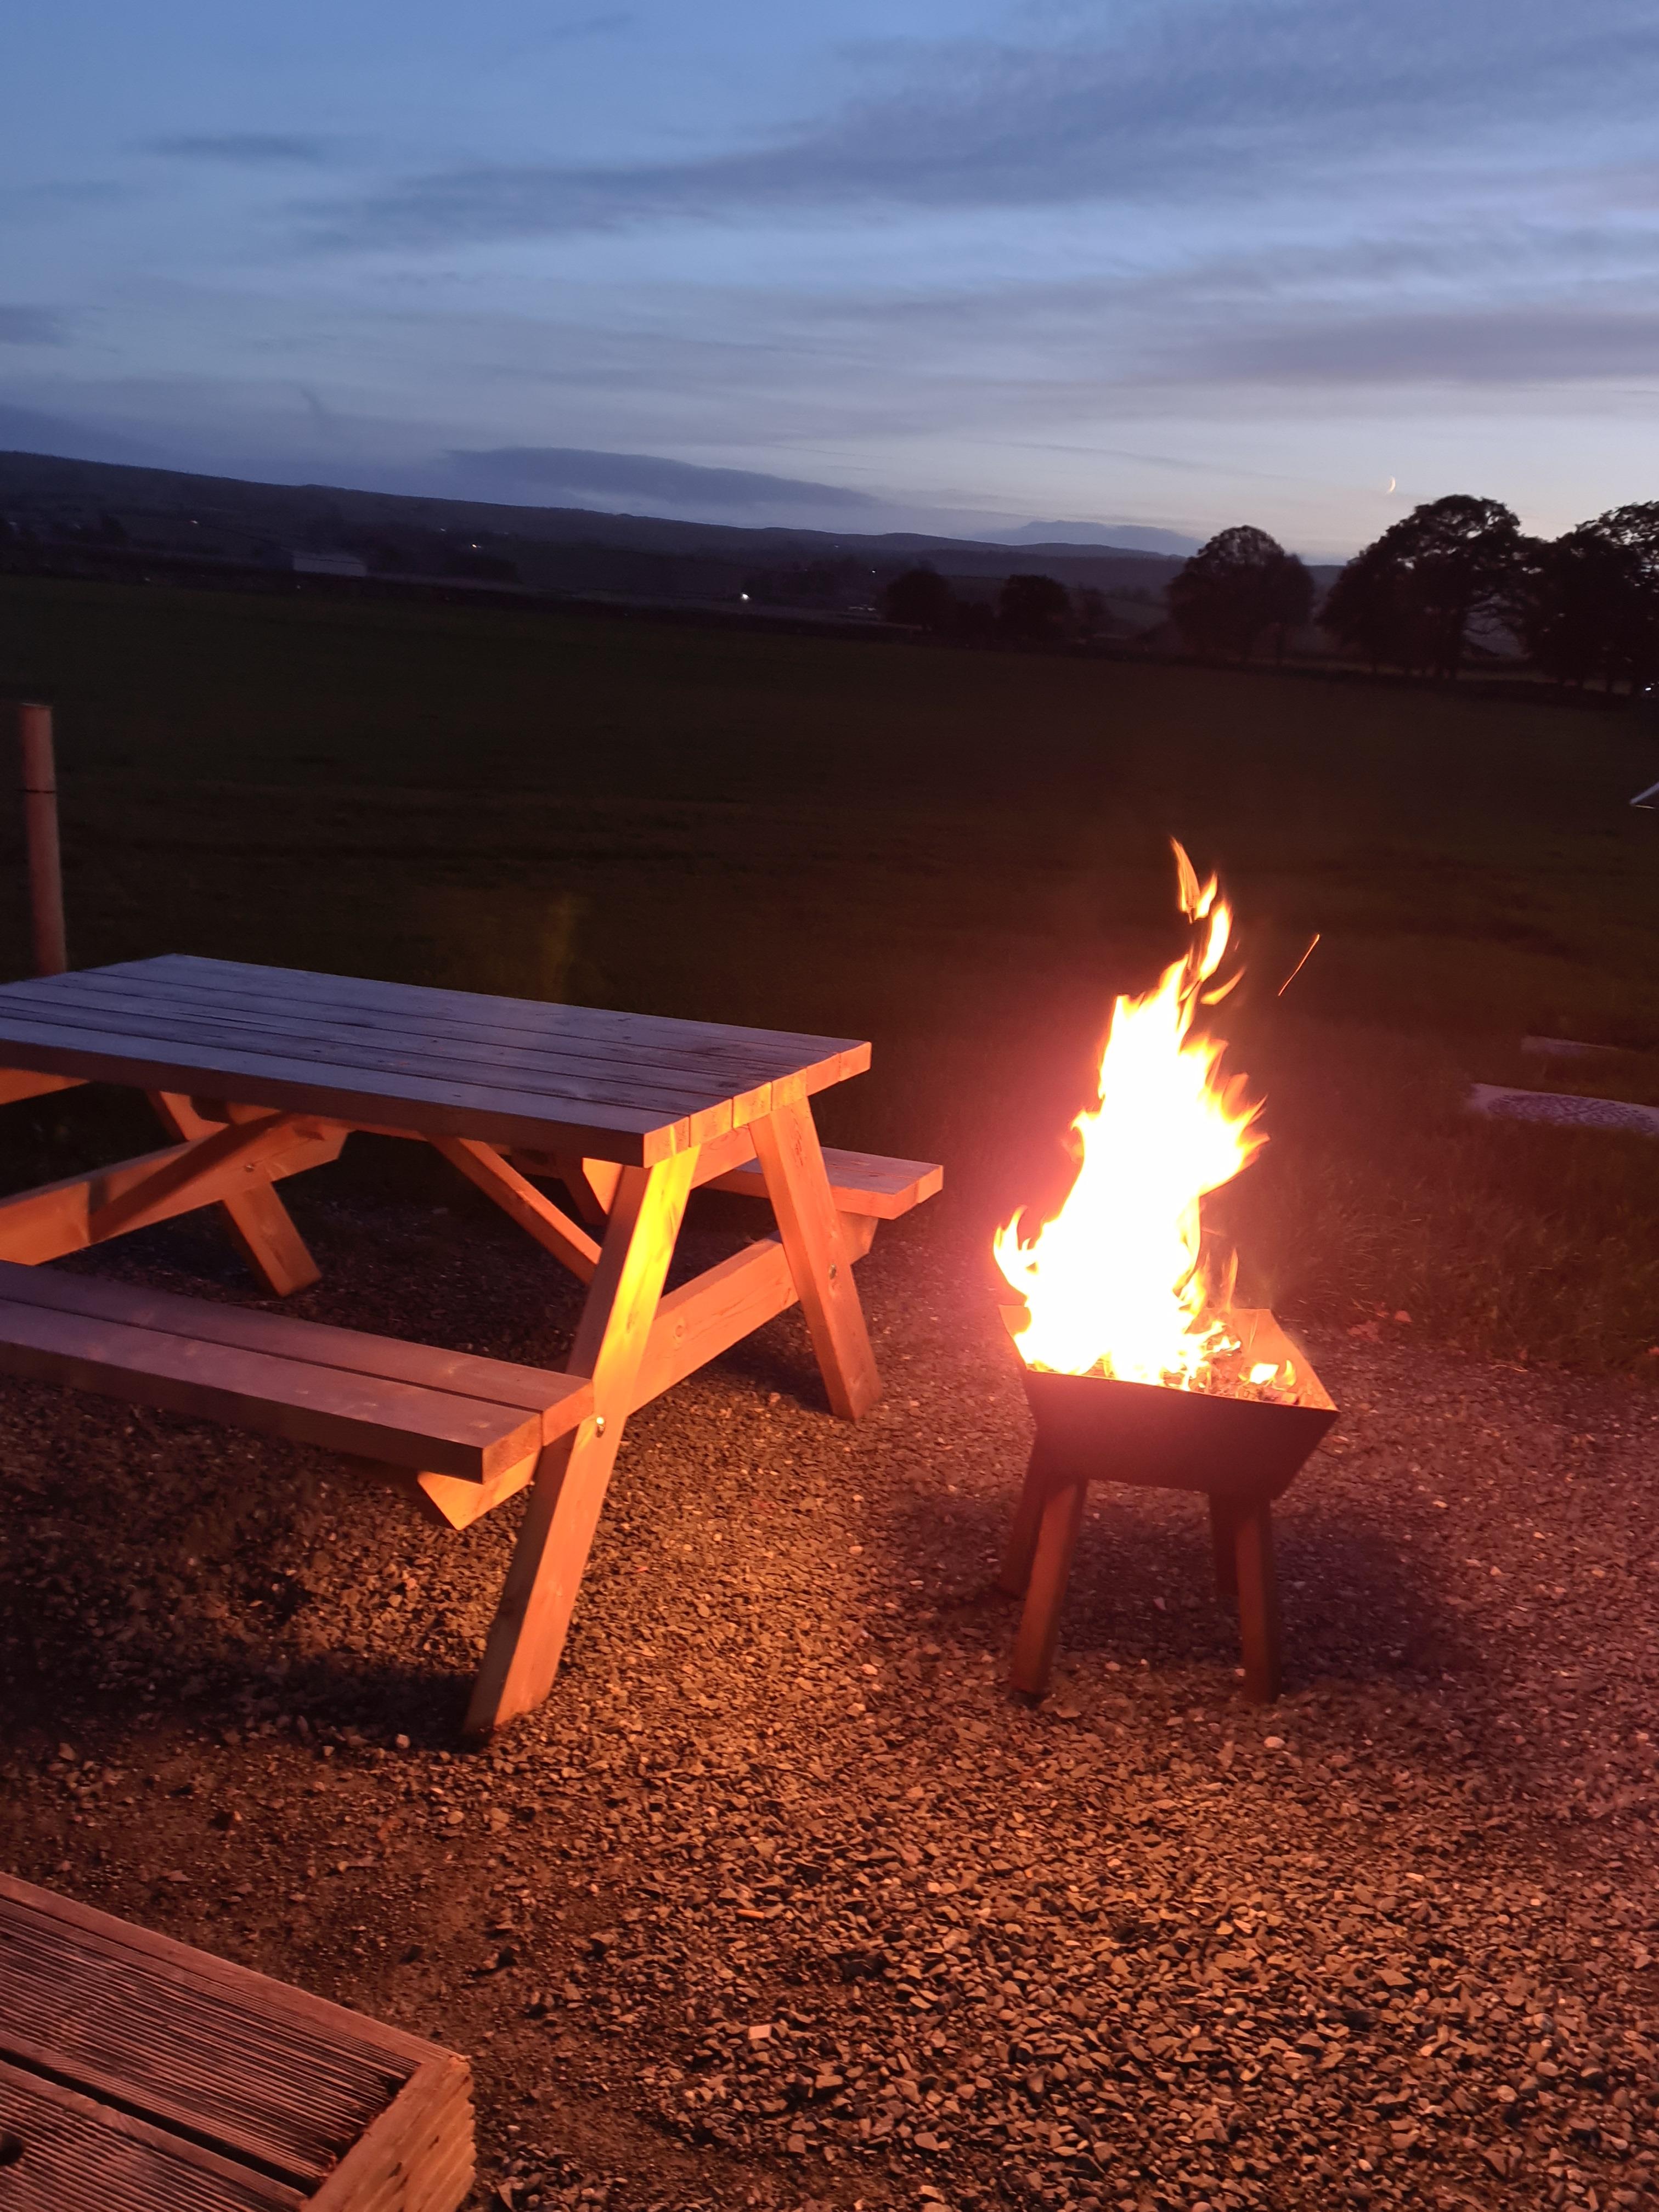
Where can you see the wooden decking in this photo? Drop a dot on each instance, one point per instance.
(139, 2076)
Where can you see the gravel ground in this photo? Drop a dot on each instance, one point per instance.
(782, 1900)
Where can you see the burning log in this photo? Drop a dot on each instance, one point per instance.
(1137, 1367)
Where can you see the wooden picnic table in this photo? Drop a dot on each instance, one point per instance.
(259, 1073)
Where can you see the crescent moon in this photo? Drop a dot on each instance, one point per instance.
(1392, 482)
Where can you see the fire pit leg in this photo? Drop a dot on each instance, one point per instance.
(1023, 1536)
(1223, 1539)
(1051, 1568)
(1258, 1602)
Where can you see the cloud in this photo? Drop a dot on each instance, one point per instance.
(1529, 343)
(1247, 95)
(32, 327)
(248, 149)
(643, 476)
(593, 27)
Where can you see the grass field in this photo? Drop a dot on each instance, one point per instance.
(962, 856)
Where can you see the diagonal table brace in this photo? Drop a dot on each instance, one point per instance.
(260, 1225)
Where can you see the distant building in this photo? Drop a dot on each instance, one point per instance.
(329, 564)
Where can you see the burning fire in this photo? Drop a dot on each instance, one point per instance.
(1115, 1282)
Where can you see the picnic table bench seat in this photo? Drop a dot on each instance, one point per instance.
(864, 1183)
(469, 1428)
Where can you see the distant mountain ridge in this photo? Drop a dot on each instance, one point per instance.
(238, 520)
(1116, 537)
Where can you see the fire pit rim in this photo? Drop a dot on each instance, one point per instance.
(1102, 1428)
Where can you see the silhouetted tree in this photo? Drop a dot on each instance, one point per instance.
(1036, 609)
(1411, 596)
(1636, 528)
(1374, 609)
(1579, 605)
(920, 597)
(1240, 585)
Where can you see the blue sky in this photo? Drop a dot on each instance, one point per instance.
(1174, 263)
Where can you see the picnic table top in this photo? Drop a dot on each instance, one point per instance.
(630, 1087)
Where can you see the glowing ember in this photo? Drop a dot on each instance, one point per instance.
(1115, 1282)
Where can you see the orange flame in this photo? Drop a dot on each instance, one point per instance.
(1115, 1281)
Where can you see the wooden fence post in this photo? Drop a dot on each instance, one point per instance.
(40, 830)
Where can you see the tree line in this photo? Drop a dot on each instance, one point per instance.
(1583, 607)
(1026, 611)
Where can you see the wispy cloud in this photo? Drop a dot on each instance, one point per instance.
(1527, 343)
(32, 326)
(247, 149)
(644, 476)
(1244, 95)
(602, 26)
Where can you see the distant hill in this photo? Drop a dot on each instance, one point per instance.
(120, 513)
(1121, 537)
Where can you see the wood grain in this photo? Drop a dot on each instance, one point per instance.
(144, 2076)
(449, 1063)
(411, 1405)
(255, 1219)
(526, 1638)
(859, 1183)
(786, 1146)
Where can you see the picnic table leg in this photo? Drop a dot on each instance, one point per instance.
(260, 1225)
(809, 1223)
(521, 1655)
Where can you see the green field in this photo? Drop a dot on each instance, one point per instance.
(960, 855)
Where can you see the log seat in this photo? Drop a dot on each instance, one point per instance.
(469, 1428)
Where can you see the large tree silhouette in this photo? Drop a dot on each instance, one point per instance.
(1636, 529)
(1235, 589)
(1412, 595)
(921, 598)
(1036, 609)
(1580, 607)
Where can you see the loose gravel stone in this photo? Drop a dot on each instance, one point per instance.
(782, 1899)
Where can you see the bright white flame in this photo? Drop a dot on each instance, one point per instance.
(1114, 1281)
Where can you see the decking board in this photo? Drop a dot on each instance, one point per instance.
(143, 2076)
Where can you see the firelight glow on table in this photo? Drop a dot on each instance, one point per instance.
(1116, 1284)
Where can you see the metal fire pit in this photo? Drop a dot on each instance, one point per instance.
(1242, 1453)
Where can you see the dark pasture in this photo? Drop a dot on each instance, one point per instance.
(962, 855)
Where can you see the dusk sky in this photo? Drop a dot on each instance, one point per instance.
(917, 264)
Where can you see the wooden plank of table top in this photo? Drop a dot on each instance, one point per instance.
(547, 1064)
(367, 1055)
(398, 1422)
(666, 1033)
(469, 1019)
(79, 2156)
(389, 1358)
(496, 1113)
